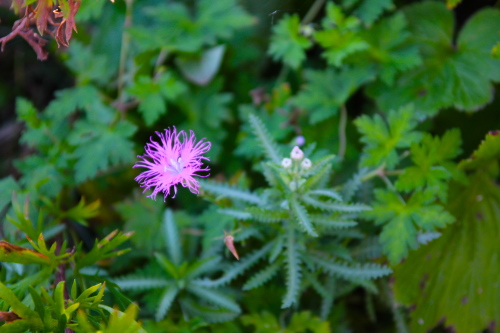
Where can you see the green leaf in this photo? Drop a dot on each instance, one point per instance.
(351, 271)
(212, 22)
(433, 167)
(87, 65)
(390, 48)
(225, 190)
(486, 156)
(293, 270)
(383, 139)
(260, 131)
(171, 237)
(267, 215)
(99, 147)
(326, 90)
(166, 302)
(140, 282)
(301, 217)
(287, 43)
(339, 38)
(370, 11)
(7, 187)
(401, 220)
(238, 268)
(134, 213)
(263, 276)
(455, 276)
(458, 75)
(214, 297)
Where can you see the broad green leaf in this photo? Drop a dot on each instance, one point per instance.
(455, 277)
(455, 74)
(389, 48)
(486, 156)
(369, 11)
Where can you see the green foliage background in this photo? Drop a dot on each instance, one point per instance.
(394, 227)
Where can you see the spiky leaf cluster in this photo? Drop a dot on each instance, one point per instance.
(294, 215)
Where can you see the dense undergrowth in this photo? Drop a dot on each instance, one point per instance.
(353, 151)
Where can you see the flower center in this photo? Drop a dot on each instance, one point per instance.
(175, 166)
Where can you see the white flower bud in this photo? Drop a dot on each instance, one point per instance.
(306, 164)
(297, 154)
(286, 163)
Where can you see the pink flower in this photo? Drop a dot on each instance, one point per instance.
(175, 160)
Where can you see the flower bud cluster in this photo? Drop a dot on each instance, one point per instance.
(296, 166)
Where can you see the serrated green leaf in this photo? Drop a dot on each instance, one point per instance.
(293, 270)
(369, 11)
(432, 166)
(458, 75)
(400, 233)
(287, 43)
(486, 156)
(167, 298)
(350, 271)
(260, 131)
(383, 139)
(302, 217)
(263, 276)
(225, 190)
(99, 147)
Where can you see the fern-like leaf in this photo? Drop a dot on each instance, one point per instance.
(263, 276)
(166, 302)
(208, 314)
(332, 222)
(237, 268)
(293, 274)
(353, 184)
(326, 193)
(350, 271)
(171, 236)
(335, 207)
(301, 216)
(230, 192)
(238, 214)
(260, 131)
(214, 297)
(132, 282)
(277, 248)
(269, 171)
(268, 216)
(317, 177)
(202, 266)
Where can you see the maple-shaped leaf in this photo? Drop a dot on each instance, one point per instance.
(382, 139)
(402, 220)
(326, 90)
(153, 94)
(287, 43)
(369, 11)
(389, 48)
(339, 37)
(177, 29)
(433, 166)
(453, 73)
(99, 146)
